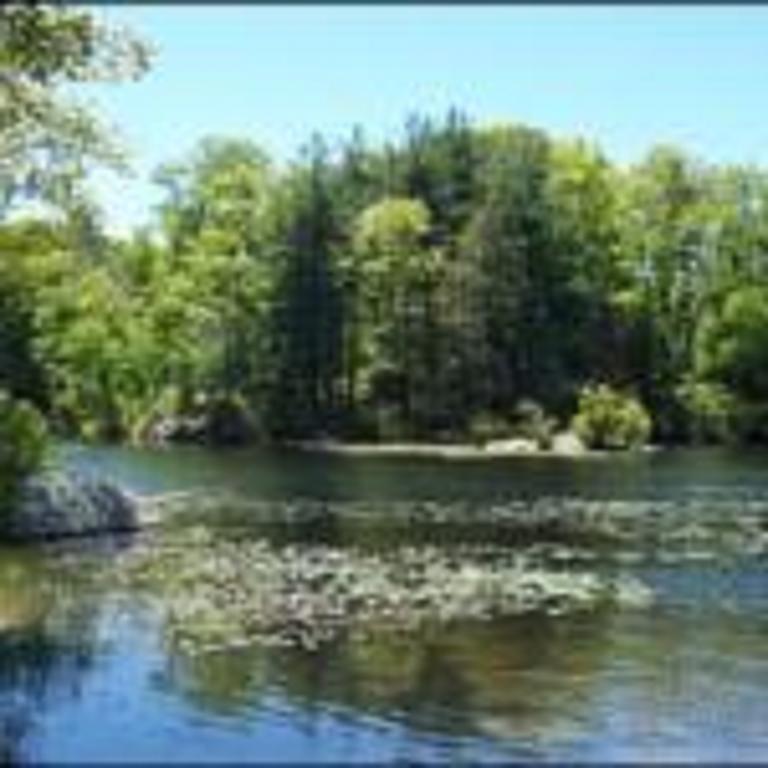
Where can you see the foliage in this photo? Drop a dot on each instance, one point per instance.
(733, 343)
(713, 411)
(23, 445)
(229, 420)
(485, 427)
(608, 419)
(47, 140)
(460, 282)
(532, 423)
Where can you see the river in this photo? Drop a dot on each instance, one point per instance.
(87, 672)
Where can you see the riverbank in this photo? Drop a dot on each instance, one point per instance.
(565, 445)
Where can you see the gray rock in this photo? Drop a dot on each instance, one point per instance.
(568, 444)
(60, 504)
(512, 446)
(172, 429)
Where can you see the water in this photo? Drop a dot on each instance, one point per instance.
(87, 672)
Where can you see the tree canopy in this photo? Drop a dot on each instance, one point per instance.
(407, 289)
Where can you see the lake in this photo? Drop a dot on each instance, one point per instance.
(87, 671)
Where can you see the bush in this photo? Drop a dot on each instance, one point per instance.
(488, 426)
(229, 420)
(532, 423)
(750, 422)
(607, 419)
(23, 446)
(713, 412)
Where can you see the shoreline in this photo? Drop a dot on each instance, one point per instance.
(495, 450)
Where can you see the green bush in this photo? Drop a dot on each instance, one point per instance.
(229, 420)
(608, 419)
(485, 426)
(713, 412)
(532, 423)
(23, 446)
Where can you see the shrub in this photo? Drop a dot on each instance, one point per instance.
(607, 419)
(488, 426)
(532, 423)
(23, 446)
(750, 421)
(229, 420)
(713, 412)
(389, 423)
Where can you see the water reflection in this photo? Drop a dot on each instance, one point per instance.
(518, 680)
(46, 644)
(684, 681)
(284, 475)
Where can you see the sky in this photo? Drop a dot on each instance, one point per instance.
(625, 77)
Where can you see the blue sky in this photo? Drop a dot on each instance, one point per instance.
(626, 77)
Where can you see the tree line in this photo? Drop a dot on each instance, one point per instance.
(411, 289)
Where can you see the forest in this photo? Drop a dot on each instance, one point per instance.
(443, 285)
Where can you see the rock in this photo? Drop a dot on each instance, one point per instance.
(223, 424)
(172, 429)
(62, 504)
(514, 445)
(568, 444)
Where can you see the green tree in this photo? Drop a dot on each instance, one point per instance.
(219, 221)
(47, 139)
(518, 280)
(48, 142)
(664, 237)
(397, 275)
(732, 350)
(23, 447)
(307, 307)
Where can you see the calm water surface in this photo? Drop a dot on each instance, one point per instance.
(87, 675)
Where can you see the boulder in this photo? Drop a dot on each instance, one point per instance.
(568, 444)
(225, 424)
(178, 429)
(512, 446)
(60, 504)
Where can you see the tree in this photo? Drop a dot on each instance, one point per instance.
(733, 343)
(23, 447)
(219, 221)
(584, 193)
(307, 307)
(518, 279)
(396, 275)
(47, 140)
(47, 143)
(663, 237)
(27, 252)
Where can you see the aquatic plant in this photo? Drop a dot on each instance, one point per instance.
(722, 525)
(220, 592)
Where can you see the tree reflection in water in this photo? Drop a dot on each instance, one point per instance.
(46, 644)
(523, 679)
(604, 683)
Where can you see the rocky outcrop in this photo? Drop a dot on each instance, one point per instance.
(62, 504)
